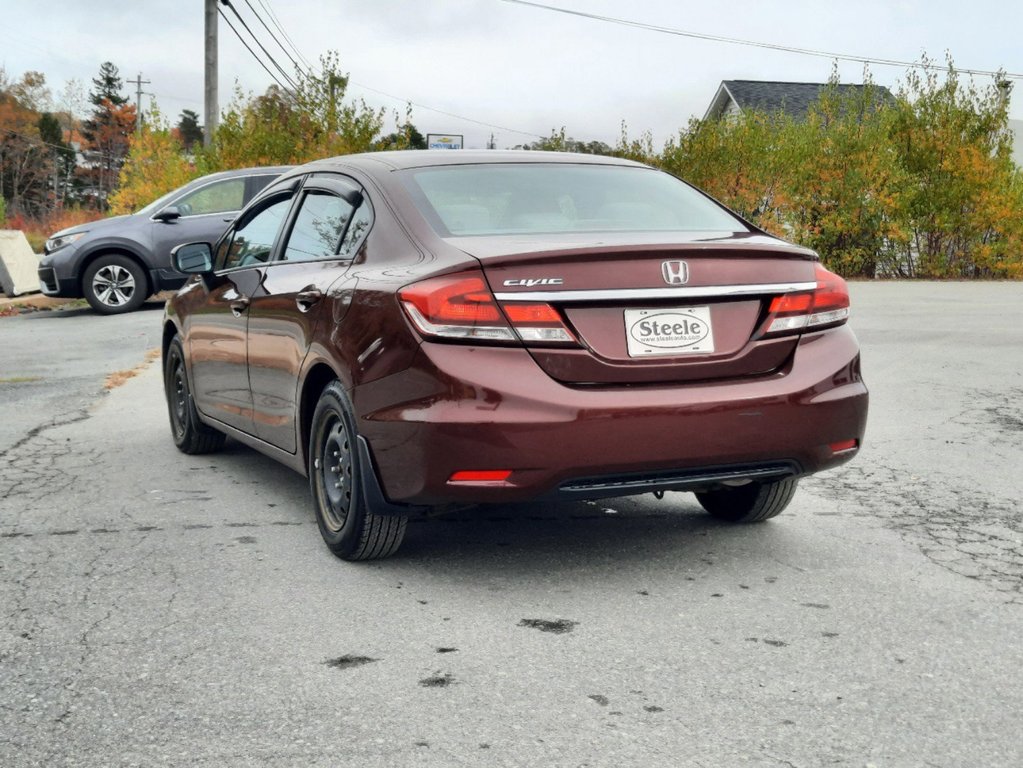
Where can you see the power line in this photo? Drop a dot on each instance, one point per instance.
(757, 44)
(308, 70)
(276, 22)
(449, 114)
(66, 147)
(272, 35)
(249, 49)
(273, 61)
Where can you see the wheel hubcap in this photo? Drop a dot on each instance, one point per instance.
(335, 467)
(113, 285)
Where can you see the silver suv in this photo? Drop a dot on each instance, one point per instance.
(117, 263)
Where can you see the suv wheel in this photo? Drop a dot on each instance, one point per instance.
(113, 284)
(350, 530)
(749, 503)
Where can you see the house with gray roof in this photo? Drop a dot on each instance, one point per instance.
(794, 99)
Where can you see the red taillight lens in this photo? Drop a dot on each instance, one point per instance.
(462, 307)
(455, 306)
(827, 305)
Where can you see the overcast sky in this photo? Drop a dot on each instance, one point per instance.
(512, 66)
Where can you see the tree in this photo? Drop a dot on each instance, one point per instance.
(964, 211)
(64, 160)
(189, 130)
(156, 164)
(559, 142)
(406, 137)
(285, 126)
(25, 161)
(107, 132)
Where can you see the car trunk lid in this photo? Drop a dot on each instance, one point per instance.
(650, 309)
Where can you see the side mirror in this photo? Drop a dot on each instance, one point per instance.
(193, 258)
(170, 213)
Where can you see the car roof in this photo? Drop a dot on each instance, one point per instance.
(270, 169)
(424, 158)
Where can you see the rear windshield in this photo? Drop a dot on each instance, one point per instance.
(547, 198)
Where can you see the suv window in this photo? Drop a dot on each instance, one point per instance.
(318, 227)
(256, 184)
(218, 197)
(253, 242)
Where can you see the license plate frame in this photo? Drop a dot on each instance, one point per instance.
(669, 331)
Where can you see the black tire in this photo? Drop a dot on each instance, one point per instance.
(749, 503)
(114, 284)
(190, 435)
(350, 530)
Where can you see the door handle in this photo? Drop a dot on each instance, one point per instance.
(305, 299)
(239, 305)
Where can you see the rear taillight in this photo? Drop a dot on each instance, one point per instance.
(827, 305)
(462, 307)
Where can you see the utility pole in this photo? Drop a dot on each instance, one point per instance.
(138, 82)
(211, 105)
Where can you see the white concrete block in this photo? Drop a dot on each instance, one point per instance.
(18, 265)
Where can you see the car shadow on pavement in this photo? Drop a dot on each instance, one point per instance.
(624, 533)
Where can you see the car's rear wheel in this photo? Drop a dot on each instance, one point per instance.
(350, 530)
(749, 503)
(190, 435)
(113, 284)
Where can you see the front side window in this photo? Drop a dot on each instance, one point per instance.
(218, 197)
(318, 228)
(252, 243)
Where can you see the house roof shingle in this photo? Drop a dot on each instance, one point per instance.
(791, 98)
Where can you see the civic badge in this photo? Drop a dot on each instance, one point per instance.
(675, 272)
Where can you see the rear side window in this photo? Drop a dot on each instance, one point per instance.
(319, 227)
(218, 197)
(549, 198)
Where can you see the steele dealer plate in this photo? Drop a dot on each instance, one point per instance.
(682, 331)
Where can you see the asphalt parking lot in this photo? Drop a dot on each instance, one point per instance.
(165, 610)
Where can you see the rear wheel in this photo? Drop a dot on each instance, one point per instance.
(749, 503)
(113, 284)
(350, 530)
(190, 435)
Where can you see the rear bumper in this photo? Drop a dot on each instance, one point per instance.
(491, 408)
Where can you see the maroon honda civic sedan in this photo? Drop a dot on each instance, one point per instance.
(412, 330)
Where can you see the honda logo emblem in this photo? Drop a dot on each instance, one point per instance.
(675, 272)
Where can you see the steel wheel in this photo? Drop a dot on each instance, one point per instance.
(348, 526)
(189, 433)
(335, 466)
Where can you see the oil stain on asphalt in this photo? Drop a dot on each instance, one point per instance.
(558, 626)
(348, 661)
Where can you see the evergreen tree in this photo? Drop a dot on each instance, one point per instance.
(63, 156)
(107, 132)
(189, 129)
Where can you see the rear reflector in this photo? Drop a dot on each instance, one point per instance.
(480, 476)
(843, 446)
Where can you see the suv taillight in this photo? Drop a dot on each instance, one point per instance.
(461, 306)
(826, 306)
